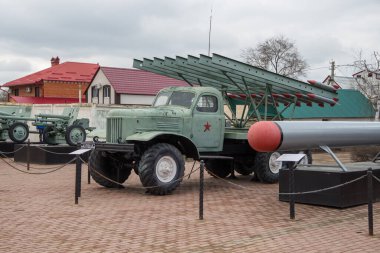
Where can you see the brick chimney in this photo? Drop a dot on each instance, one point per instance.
(54, 61)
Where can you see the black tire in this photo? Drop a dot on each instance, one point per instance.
(75, 134)
(243, 168)
(218, 167)
(48, 138)
(266, 169)
(103, 165)
(18, 132)
(308, 158)
(154, 166)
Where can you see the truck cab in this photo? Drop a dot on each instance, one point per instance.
(202, 114)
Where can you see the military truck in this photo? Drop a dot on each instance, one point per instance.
(201, 122)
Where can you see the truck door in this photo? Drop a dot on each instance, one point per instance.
(208, 123)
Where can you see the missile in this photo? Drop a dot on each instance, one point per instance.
(269, 136)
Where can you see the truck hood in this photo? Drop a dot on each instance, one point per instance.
(162, 111)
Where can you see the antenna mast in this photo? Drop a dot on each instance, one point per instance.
(209, 34)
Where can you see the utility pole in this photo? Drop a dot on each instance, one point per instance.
(80, 94)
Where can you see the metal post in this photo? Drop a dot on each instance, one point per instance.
(78, 176)
(28, 155)
(291, 191)
(370, 201)
(201, 186)
(88, 174)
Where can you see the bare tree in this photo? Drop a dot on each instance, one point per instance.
(4, 95)
(277, 54)
(368, 77)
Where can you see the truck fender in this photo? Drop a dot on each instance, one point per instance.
(184, 144)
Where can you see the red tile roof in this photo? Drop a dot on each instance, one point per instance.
(67, 71)
(45, 100)
(133, 81)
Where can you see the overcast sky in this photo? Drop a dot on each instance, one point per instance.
(113, 32)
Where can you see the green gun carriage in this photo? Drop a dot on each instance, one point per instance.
(53, 129)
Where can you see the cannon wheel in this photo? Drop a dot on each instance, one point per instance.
(18, 132)
(104, 167)
(218, 167)
(75, 134)
(161, 169)
(46, 137)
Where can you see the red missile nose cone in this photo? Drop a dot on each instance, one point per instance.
(264, 136)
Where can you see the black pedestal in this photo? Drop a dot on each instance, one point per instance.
(7, 148)
(44, 154)
(315, 178)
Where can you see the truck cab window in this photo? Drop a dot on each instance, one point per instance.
(207, 103)
(161, 99)
(180, 98)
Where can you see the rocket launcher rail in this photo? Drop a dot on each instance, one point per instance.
(236, 77)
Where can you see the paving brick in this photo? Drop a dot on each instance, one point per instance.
(38, 214)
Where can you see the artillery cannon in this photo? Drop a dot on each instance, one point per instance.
(53, 129)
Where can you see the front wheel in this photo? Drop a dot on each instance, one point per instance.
(161, 169)
(18, 132)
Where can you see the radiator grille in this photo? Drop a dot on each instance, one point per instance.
(114, 129)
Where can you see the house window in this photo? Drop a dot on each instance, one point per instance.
(16, 92)
(37, 92)
(95, 95)
(95, 92)
(106, 94)
(106, 91)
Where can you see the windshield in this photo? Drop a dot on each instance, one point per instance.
(180, 98)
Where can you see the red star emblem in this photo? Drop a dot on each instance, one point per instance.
(207, 127)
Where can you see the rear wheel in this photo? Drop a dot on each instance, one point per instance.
(243, 168)
(218, 167)
(75, 134)
(267, 168)
(308, 159)
(109, 170)
(161, 169)
(18, 132)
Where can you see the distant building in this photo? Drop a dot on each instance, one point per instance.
(368, 75)
(60, 83)
(127, 86)
(343, 82)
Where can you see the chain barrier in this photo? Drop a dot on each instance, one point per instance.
(142, 187)
(51, 152)
(12, 152)
(38, 173)
(376, 178)
(83, 161)
(26, 166)
(295, 193)
(53, 169)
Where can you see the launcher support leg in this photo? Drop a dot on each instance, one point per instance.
(331, 153)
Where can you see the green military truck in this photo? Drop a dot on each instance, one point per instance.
(207, 121)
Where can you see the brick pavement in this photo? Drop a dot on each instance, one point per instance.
(38, 214)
